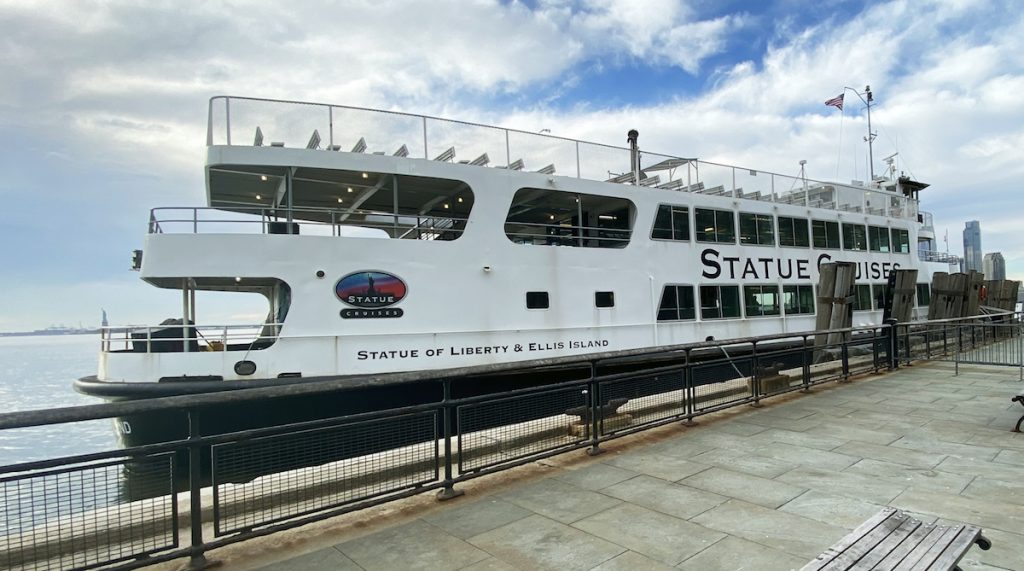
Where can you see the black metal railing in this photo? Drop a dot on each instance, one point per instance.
(120, 508)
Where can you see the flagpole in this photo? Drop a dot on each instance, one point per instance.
(871, 136)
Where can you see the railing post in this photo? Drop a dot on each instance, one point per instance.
(956, 352)
(875, 357)
(805, 368)
(844, 357)
(906, 341)
(448, 491)
(579, 173)
(595, 410)
(688, 389)
(755, 376)
(227, 119)
(894, 344)
(426, 154)
(197, 559)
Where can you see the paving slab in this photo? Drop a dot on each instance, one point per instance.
(659, 465)
(846, 430)
(468, 517)
(901, 476)
(632, 561)
(537, 542)
(415, 545)
(740, 461)
(852, 485)
(327, 559)
(664, 496)
(661, 537)
(753, 489)
(937, 446)
(490, 564)
(736, 426)
(984, 513)
(795, 535)
(558, 500)
(902, 456)
(810, 439)
(833, 509)
(735, 554)
(986, 489)
(596, 476)
(804, 456)
(1010, 457)
(991, 470)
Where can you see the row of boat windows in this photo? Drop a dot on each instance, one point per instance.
(719, 226)
(679, 302)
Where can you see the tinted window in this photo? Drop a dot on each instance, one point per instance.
(536, 300)
(793, 232)
(715, 225)
(757, 229)
(924, 295)
(718, 302)
(862, 298)
(854, 237)
(676, 303)
(798, 299)
(604, 299)
(671, 223)
(826, 234)
(900, 241)
(761, 300)
(878, 238)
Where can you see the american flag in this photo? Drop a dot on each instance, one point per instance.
(836, 101)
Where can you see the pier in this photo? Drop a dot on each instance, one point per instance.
(766, 470)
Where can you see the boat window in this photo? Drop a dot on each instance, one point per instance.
(900, 241)
(878, 238)
(719, 302)
(537, 300)
(862, 298)
(793, 232)
(826, 234)
(798, 299)
(924, 295)
(715, 225)
(757, 229)
(854, 237)
(761, 300)
(335, 202)
(880, 292)
(604, 299)
(557, 218)
(677, 303)
(671, 223)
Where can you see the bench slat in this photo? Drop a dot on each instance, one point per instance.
(845, 543)
(936, 534)
(868, 543)
(891, 543)
(957, 549)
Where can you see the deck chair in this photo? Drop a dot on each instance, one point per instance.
(447, 156)
(550, 169)
(314, 140)
(360, 146)
(258, 141)
(402, 151)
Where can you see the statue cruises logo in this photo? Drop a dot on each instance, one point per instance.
(372, 293)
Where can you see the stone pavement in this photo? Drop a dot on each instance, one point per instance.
(750, 488)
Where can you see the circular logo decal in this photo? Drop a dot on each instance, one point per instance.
(370, 289)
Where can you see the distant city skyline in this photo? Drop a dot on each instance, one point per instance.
(994, 266)
(972, 246)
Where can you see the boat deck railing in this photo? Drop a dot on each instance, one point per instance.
(176, 338)
(934, 256)
(341, 128)
(305, 221)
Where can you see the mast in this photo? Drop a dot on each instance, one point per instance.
(871, 136)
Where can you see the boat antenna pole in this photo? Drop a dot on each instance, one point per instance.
(634, 154)
(870, 98)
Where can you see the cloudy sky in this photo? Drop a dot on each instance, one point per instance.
(103, 105)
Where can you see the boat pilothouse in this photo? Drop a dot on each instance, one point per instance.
(386, 242)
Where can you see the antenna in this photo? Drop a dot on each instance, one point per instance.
(870, 138)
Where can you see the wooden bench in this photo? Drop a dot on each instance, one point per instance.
(1019, 398)
(893, 540)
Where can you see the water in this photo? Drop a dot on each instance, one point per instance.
(36, 373)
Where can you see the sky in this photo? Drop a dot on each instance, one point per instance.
(103, 106)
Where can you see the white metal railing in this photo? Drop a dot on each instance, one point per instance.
(177, 338)
(244, 120)
(208, 220)
(934, 256)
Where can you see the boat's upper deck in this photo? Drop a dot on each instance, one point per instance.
(242, 121)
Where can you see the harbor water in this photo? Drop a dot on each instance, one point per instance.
(36, 372)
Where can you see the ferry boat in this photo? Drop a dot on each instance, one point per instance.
(384, 241)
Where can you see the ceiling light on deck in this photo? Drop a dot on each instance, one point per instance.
(339, 200)
(366, 175)
(258, 197)
(350, 189)
(446, 205)
(552, 216)
(607, 217)
(263, 177)
(460, 199)
(238, 279)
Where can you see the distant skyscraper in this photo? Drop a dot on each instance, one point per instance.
(972, 246)
(994, 266)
